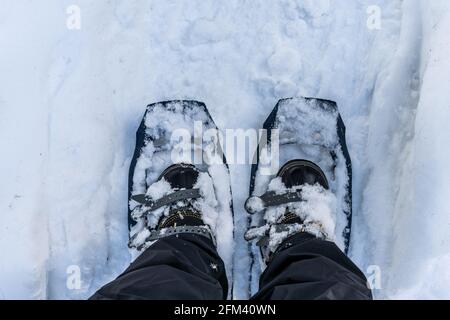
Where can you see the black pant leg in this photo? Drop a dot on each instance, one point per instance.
(177, 267)
(309, 268)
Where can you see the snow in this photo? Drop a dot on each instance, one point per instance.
(158, 189)
(254, 205)
(71, 101)
(318, 127)
(317, 211)
(318, 207)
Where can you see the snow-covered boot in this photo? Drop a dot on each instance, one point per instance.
(297, 200)
(176, 201)
(181, 177)
(300, 128)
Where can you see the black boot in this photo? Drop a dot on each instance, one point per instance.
(294, 176)
(181, 215)
(301, 263)
(297, 173)
(181, 177)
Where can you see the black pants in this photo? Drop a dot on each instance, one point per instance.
(188, 267)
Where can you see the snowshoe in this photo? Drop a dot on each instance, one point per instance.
(308, 136)
(179, 179)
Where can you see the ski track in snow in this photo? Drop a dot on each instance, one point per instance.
(70, 102)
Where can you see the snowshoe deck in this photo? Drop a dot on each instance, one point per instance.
(309, 129)
(173, 132)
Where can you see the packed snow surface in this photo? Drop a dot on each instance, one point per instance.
(72, 99)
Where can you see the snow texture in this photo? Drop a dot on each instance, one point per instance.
(71, 101)
(317, 211)
(318, 206)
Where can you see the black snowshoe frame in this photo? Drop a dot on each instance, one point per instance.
(141, 140)
(269, 124)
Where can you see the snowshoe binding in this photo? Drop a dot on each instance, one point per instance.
(312, 190)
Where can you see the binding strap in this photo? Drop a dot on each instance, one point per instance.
(152, 205)
(269, 245)
(154, 235)
(272, 199)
